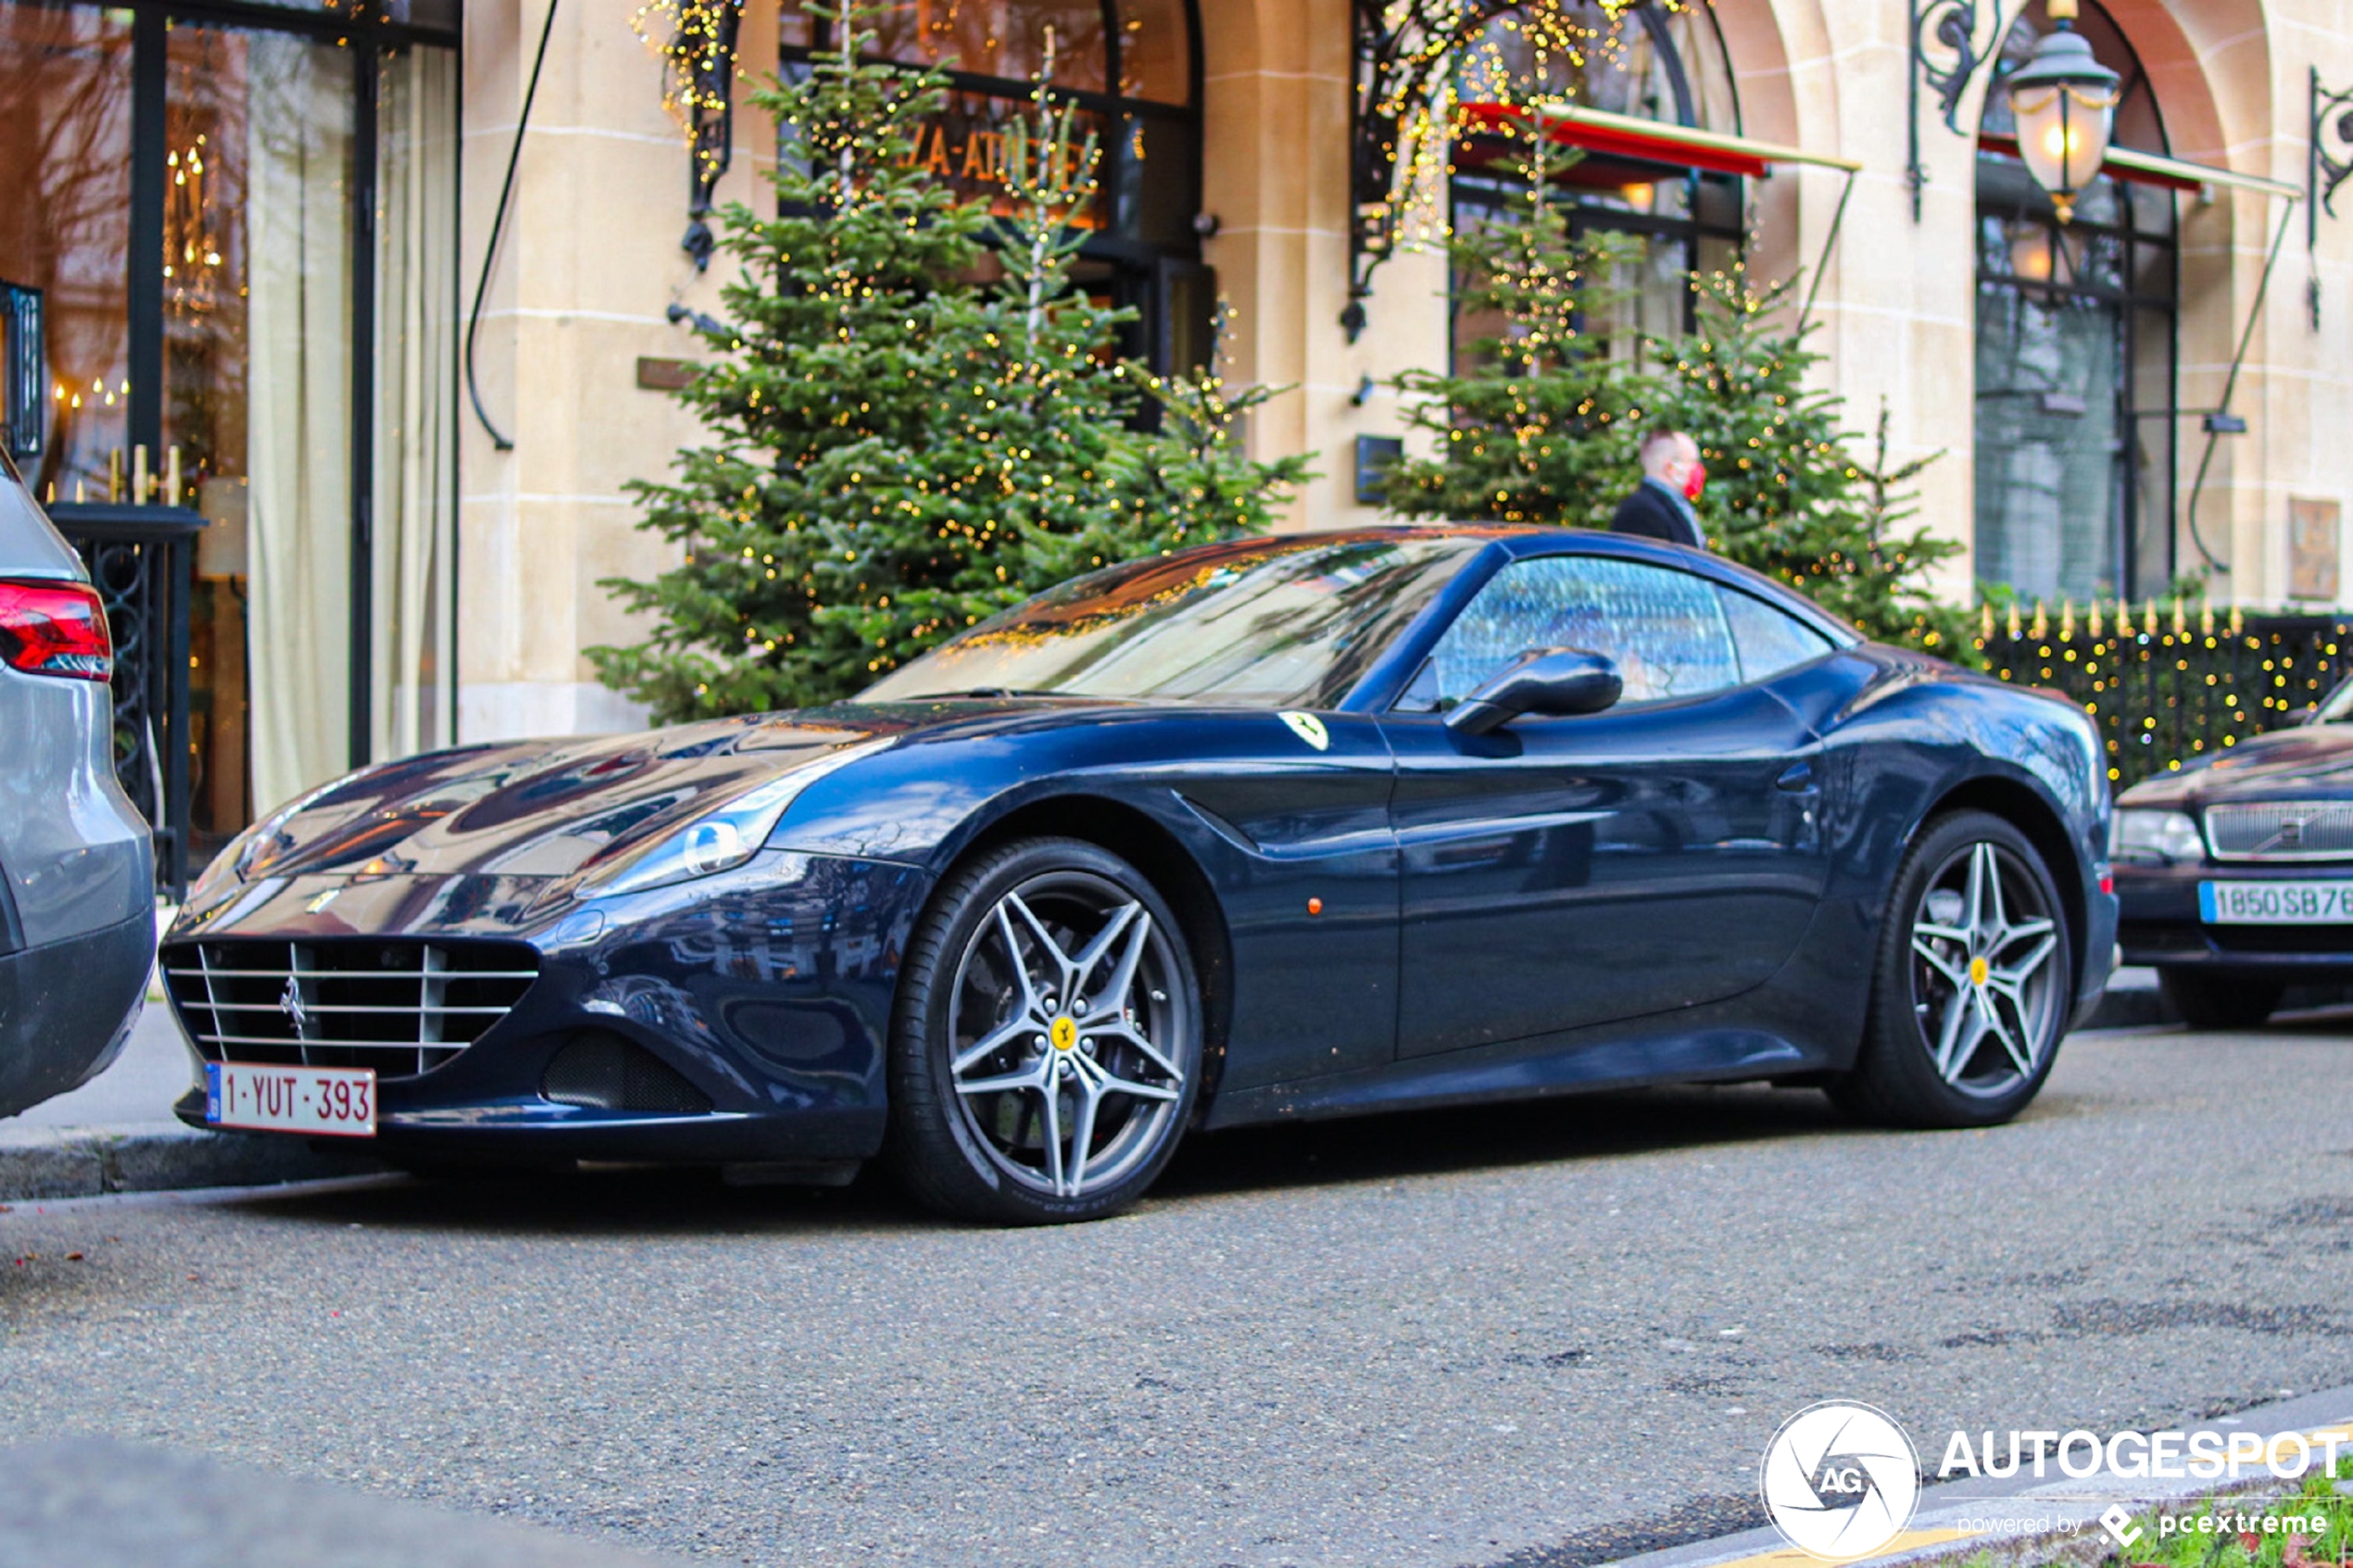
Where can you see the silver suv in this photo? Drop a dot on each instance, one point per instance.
(77, 863)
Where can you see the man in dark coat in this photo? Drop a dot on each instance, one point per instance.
(1660, 507)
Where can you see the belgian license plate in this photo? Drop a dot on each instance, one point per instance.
(2275, 903)
(337, 1102)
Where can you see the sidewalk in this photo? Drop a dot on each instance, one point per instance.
(117, 1132)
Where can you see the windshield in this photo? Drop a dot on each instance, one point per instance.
(1263, 622)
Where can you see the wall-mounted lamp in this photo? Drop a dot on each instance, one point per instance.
(2065, 104)
(2064, 99)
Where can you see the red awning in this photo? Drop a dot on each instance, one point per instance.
(2171, 173)
(1650, 141)
(1653, 144)
(2115, 168)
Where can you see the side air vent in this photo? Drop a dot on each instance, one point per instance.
(604, 1072)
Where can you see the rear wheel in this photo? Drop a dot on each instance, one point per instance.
(1046, 1048)
(1972, 987)
(2219, 1001)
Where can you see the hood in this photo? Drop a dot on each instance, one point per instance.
(539, 809)
(552, 808)
(2310, 763)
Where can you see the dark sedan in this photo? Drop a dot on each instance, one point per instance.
(2235, 873)
(1295, 827)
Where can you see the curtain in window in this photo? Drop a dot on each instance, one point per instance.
(298, 452)
(416, 429)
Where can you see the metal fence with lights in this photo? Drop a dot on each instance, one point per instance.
(2169, 683)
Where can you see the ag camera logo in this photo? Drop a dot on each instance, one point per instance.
(1840, 1481)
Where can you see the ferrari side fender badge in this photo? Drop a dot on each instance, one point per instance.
(1309, 728)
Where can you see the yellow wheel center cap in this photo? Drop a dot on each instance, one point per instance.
(1978, 970)
(1064, 1032)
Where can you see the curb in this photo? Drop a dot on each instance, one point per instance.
(2138, 1007)
(55, 1163)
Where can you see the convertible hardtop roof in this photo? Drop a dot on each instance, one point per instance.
(1518, 541)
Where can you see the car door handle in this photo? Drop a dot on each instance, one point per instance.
(1796, 779)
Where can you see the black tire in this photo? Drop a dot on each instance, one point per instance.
(2219, 1001)
(1928, 995)
(1011, 1156)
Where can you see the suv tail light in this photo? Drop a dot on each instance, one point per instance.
(54, 629)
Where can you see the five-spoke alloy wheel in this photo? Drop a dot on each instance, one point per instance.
(1974, 982)
(1047, 1047)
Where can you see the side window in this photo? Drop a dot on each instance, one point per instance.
(1664, 630)
(1768, 641)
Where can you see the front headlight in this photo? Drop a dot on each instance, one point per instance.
(723, 838)
(2153, 837)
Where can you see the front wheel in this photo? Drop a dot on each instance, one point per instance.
(1973, 982)
(1046, 1048)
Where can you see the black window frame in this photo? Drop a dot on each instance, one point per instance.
(1145, 274)
(371, 29)
(1473, 194)
(2032, 207)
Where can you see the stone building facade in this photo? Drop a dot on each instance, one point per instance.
(410, 503)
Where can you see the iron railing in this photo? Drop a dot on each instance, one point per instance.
(140, 561)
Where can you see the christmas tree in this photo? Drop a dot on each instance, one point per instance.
(1547, 424)
(1786, 493)
(898, 448)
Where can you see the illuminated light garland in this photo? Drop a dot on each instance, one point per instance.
(695, 41)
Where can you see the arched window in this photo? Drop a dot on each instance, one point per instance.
(1134, 69)
(2075, 355)
(1658, 59)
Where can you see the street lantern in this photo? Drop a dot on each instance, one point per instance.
(2065, 104)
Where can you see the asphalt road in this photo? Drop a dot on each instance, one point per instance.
(1539, 1335)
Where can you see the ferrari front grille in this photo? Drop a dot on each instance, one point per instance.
(2281, 830)
(400, 1007)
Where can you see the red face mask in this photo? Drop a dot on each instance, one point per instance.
(1695, 482)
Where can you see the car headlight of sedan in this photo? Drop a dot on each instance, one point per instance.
(2153, 837)
(725, 836)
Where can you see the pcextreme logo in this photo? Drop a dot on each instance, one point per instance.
(1840, 1481)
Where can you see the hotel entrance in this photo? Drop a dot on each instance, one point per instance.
(228, 250)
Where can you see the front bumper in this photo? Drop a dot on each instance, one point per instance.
(767, 991)
(2159, 923)
(67, 1007)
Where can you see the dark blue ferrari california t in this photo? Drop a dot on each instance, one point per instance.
(1290, 827)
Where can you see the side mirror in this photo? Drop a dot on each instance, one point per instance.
(1555, 682)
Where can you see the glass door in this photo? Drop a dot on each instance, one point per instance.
(258, 258)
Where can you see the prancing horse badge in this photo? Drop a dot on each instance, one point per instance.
(1309, 728)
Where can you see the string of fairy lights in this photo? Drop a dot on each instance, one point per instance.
(2165, 684)
(1459, 53)
(694, 39)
